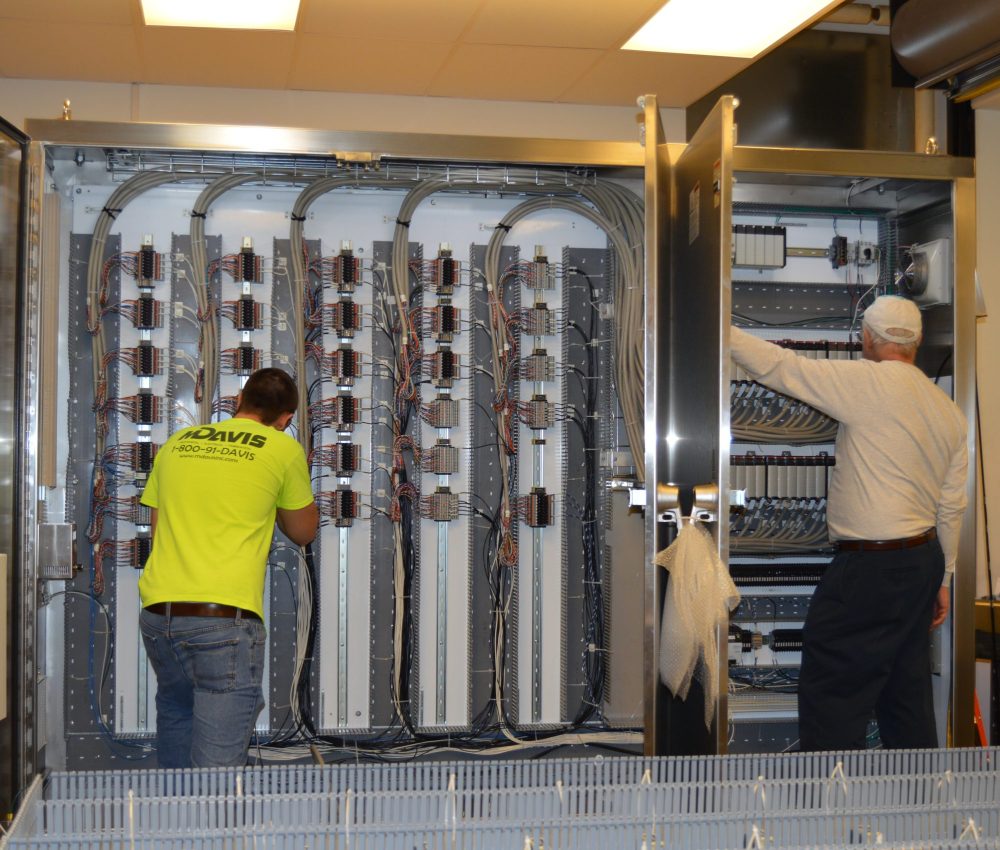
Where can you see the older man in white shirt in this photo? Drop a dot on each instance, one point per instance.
(896, 500)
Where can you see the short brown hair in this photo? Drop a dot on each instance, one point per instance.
(269, 393)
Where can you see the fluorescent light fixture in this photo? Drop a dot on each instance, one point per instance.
(744, 28)
(222, 14)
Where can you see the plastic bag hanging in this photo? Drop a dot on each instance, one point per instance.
(700, 595)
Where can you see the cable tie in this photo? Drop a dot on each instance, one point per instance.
(402, 223)
(114, 213)
(196, 214)
(295, 217)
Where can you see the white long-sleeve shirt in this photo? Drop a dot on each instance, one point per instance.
(901, 449)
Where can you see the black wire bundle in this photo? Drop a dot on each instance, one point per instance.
(593, 594)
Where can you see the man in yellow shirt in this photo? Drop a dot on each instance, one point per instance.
(216, 491)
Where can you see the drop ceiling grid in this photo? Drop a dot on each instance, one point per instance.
(560, 51)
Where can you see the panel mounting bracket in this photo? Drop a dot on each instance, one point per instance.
(366, 158)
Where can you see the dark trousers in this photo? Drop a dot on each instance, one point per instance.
(866, 649)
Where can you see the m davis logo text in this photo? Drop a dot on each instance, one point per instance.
(218, 435)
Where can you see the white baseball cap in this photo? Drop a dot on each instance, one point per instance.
(894, 318)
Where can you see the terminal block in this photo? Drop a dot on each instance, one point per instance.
(247, 360)
(143, 455)
(241, 361)
(341, 505)
(440, 506)
(444, 272)
(149, 265)
(143, 409)
(744, 640)
(540, 273)
(140, 549)
(248, 314)
(538, 413)
(838, 253)
(786, 640)
(441, 412)
(148, 313)
(344, 318)
(348, 412)
(148, 408)
(817, 348)
(250, 266)
(777, 574)
(538, 321)
(130, 509)
(343, 365)
(444, 322)
(346, 271)
(341, 458)
(537, 508)
(341, 412)
(538, 366)
(440, 459)
(443, 367)
(146, 361)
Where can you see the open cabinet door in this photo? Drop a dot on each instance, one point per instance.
(13, 221)
(657, 298)
(692, 412)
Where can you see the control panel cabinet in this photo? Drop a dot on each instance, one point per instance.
(463, 320)
(790, 245)
(513, 365)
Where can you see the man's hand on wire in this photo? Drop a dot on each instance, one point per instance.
(941, 605)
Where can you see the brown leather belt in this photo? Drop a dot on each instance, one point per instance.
(883, 545)
(200, 609)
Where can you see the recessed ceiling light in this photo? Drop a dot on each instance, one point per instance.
(222, 14)
(744, 28)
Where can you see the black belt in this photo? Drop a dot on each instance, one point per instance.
(883, 545)
(201, 609)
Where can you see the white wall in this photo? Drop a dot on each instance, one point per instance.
(988, 339)
(22, 99)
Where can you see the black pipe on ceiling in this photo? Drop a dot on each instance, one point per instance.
(934, 41)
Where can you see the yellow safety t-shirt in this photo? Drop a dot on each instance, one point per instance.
(216, 488)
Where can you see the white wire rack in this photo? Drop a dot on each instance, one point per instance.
(931, 798)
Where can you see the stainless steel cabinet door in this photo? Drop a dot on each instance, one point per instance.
(13, 155)
(689, 401)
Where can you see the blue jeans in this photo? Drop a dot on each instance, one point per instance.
(208, 695)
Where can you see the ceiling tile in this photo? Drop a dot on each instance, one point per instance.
(495, 72)
(559, 23)
(60, 50)
(72, 11)
(366, 65)
(677, 80)
(203, 57)
(431, 20)
(515, 50)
